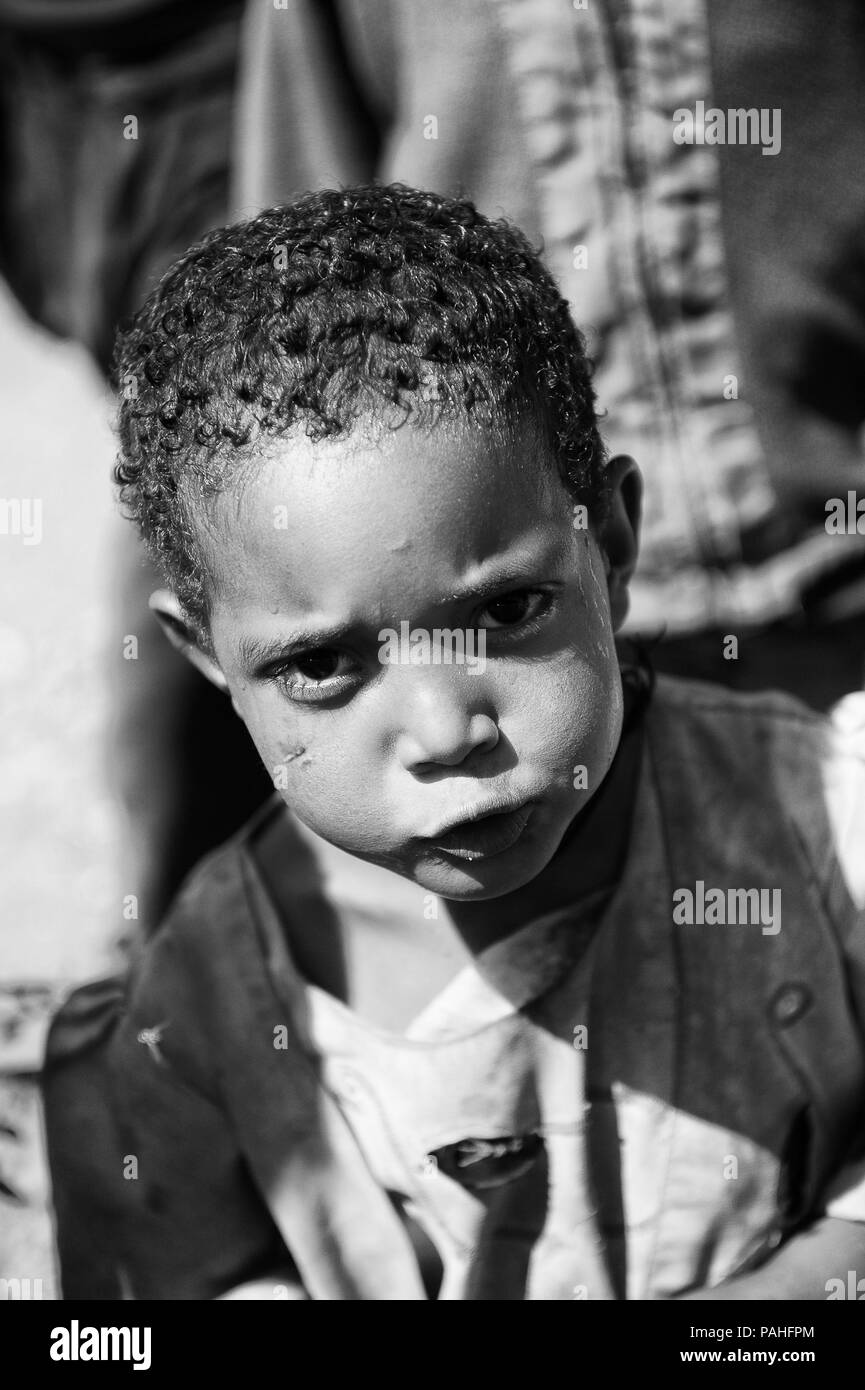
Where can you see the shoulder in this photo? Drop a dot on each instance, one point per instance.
(210, 914)
(701, 702)
(196, 971)
(745, 734)
(767, 754)
(167, 1004)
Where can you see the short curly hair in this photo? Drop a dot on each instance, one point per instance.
(320, 315)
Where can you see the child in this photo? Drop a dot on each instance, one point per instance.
(531, 982)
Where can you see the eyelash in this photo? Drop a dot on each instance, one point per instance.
(525, 625)
(312, 692)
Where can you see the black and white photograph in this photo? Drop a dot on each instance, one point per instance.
(432, 661)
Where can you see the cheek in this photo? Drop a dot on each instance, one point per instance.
(584, 713)
(282, 744)
(312, 762)
(571, 707)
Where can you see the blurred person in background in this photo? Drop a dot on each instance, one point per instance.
(115, 123)
(115, 136)
(116, 117)
(722, 284)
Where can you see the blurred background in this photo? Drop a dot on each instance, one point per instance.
(720, 282)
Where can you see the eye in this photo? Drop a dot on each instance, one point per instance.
(322, 665)
(512, 610)
(317, 675)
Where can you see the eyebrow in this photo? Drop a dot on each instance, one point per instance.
(520, 569)
(257, 654)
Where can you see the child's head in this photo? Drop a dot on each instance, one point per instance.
(368, 415)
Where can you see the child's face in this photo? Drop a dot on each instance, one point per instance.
(328, 545)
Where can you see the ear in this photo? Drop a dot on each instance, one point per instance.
(176, 626)
(619, 535)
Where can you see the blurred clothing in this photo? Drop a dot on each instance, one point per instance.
(722, 289)
(816, 659)
(93, 208)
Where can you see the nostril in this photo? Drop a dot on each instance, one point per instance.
(435, 742)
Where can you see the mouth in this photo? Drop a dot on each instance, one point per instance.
(481, 836)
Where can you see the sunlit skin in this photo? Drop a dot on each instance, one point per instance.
(325, 545)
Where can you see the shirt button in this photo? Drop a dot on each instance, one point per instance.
(789, 1004)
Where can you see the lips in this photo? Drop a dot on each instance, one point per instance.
(484, 836)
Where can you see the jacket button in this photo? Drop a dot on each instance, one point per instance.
(789, 1004)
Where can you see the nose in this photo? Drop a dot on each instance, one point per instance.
(441, 721)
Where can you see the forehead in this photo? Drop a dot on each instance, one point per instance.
(402, 511)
